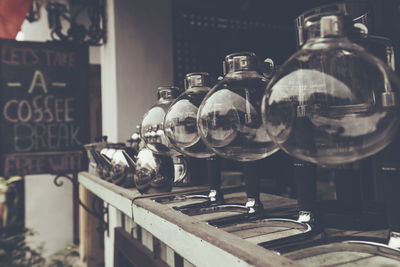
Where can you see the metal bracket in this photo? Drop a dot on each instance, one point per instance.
(99, 214)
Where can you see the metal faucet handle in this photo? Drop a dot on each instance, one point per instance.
(254, 205)
(268, 68)
(394, 240)
(306, 217)
(213, 195)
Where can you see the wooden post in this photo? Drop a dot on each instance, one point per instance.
(91, 239)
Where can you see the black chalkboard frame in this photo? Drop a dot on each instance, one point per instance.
(64, 68)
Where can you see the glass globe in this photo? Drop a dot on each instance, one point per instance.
(229, 118)
(180, 123)
(152, 126)
(135, 142)
(120, 168)
(153, 173)
(332, 102)
(379, 46)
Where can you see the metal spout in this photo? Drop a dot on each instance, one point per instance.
(106, 161)
(131, 162)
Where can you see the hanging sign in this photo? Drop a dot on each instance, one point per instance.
(44, 107)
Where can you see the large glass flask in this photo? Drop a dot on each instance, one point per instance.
(332, 102)
(229, 118)
(180, 123)
(152, 127)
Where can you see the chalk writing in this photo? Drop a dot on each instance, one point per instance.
(43, 106)
(21, 164)
(38, 81)
(29, 137)
(14, 84)
(18, 56)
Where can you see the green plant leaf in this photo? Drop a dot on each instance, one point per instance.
(14, 179)
(3, 187)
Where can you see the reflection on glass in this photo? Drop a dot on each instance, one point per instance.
(154, 173)
(229, 118)
(332, 102)
(152, 127)
(180, 122)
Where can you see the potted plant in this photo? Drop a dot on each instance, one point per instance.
(7, 187)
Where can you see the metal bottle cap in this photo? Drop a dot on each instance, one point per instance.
(197, 79)
(167, 92)
(389, 99)
(331, 26)
(317, 12)
(241, 61)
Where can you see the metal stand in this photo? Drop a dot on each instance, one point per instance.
(305, 223)
(215, 200)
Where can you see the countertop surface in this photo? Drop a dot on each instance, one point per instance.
(244, 239)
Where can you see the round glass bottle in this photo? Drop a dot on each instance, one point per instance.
(332, 102)
(152, 127)
(180, 123)
(229, 118)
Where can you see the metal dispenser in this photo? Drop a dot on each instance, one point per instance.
(334, 101)
(229, 121)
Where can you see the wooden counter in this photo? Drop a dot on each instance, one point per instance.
(172, 238)
(197, 242)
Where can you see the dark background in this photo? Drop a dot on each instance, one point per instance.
(204, 32)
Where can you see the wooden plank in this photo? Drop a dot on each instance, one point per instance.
(121, 198)
(186, 263)
(334, 258)
(277, 234)
(134, 251)
(185, 202)
(195, 240)
(170, 256)
(345, 254)
(260, 224)
(165, 253)
(83, 234)
(114, 221)
(132, 193)
(215, 215)
(331, 232)
(117, 197)
(348, 259)
(373, 261)
(162, 253)
(91, 251)
(260, 231)
(209, 246)
(147, 240)
(130, 227)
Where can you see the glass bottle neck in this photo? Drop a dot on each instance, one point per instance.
(242, 61)
(166, 95)
(165, 100)
(243, 74)
(198, 79)
(326, 27)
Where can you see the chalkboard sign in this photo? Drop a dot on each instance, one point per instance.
(44, 106)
